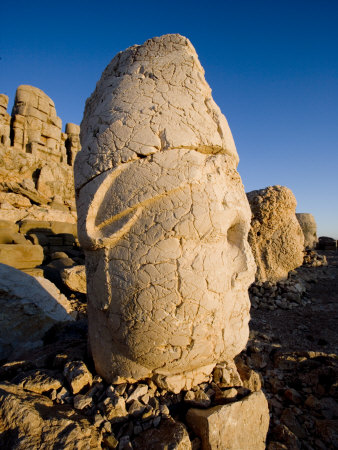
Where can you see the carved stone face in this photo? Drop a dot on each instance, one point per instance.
(168, 263)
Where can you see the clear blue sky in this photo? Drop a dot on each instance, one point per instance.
(272, 66)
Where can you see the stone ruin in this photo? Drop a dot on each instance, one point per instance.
(275, 237)
(35, 128)
(309, 227)
(36, 158)
(163, 219)
(37, 199)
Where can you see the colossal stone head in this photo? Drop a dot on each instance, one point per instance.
(163, 218)
(275, 237)
(309, 227)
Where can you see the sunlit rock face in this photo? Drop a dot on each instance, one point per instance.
(163, 218)
(276, 237)
(309, 227)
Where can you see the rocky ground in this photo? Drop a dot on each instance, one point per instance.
(54, 394)
(296, 352)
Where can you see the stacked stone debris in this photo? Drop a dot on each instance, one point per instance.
(36, 157)
(313, 259)
(285, 294)
(26, 245)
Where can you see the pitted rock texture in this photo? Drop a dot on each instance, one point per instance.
(275, 237)
(163, 219)
(309, 227)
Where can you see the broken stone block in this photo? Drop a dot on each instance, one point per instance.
(78, 375)
(275, 237)
(21, 256)
(240, 425)
(38, 381)
(163, 219)
(75, 278)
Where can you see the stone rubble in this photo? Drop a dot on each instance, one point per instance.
(301, 389)
(290, 293)
(125, 415)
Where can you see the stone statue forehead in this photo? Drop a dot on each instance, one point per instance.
(150, 98)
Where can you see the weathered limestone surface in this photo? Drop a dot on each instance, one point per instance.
(29, 420)
(275, 237)
(163, 219)
(239, 425)
(309, 228)
(75, 278)
(36, 157)
(169, 434)
(21, 256)
(29, 307)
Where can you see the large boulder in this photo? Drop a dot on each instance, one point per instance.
(275, 237)
(309, 227)
(163, 219)
(29, 308)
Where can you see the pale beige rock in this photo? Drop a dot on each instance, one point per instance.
(72, 142)
(38, 130)
(29, 308)
(309, 227)
(78, 375)
(275, 237)
(5, 120)
(169, 435)
(31, 421)
(75, 278)
(240, 425)
(21, 256)
(163, 219)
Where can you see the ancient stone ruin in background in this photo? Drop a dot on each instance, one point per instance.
(275, 237)
(36, 158)
(309, 228)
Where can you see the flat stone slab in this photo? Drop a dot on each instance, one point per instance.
(21, 256)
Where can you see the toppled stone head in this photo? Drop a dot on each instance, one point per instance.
(163, 219)
(275, 237)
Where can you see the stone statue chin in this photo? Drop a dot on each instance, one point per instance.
(163, 218)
